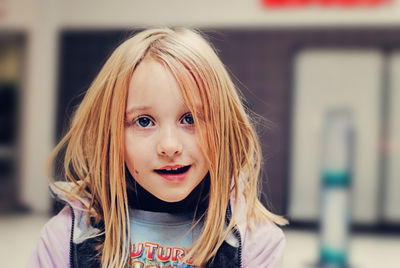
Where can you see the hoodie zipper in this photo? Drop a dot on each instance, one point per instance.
(71, 242)
(236, 232)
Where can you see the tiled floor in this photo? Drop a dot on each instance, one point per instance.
(366, 251)
(19, 233)
(18, 236)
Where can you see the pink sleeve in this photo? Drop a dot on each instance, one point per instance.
(52, 249)
(263, 247)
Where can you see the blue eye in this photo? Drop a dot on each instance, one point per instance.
(188, 119)
(143, 122)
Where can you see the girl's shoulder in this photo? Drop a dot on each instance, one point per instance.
(80, 229)
(263, 243)
(68, 226)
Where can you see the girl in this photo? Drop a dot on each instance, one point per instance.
(162, 164)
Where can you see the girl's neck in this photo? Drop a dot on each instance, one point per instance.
(197, 200)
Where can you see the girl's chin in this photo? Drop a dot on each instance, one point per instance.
(172, 199)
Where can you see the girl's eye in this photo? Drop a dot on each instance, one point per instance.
(144, 122)
(188, 119)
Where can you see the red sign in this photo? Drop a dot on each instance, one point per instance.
(327, 3)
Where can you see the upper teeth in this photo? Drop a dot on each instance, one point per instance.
(171, 168)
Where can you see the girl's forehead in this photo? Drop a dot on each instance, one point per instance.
(156, 76)
(153, 85)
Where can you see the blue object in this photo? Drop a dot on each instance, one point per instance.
(335, 188)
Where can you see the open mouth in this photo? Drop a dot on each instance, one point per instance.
(173, 171)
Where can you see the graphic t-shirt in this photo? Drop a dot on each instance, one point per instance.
(160, 239)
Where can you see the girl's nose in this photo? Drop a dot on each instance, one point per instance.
(169, 144)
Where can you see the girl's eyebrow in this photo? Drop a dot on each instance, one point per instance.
(137, 109)
(146, 108)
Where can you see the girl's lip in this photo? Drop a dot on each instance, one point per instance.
(174, 177)
(170, 166)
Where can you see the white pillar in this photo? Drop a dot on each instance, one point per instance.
(38, 106)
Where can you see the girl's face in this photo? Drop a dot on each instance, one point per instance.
(161, 147)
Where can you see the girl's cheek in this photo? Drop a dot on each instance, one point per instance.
(190, 129)
(139, 133)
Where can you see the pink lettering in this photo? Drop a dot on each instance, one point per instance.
(150, 250)
(177, 253)
(166, 256)
(136, 252)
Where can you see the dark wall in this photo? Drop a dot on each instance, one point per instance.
(11, 90)
(261, 60)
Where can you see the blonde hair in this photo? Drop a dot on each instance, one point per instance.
(94, 145)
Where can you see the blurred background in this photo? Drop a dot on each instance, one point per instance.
(296, 63)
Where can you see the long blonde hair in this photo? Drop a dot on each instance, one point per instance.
(94, 145)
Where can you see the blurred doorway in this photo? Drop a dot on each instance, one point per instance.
(12, 48)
